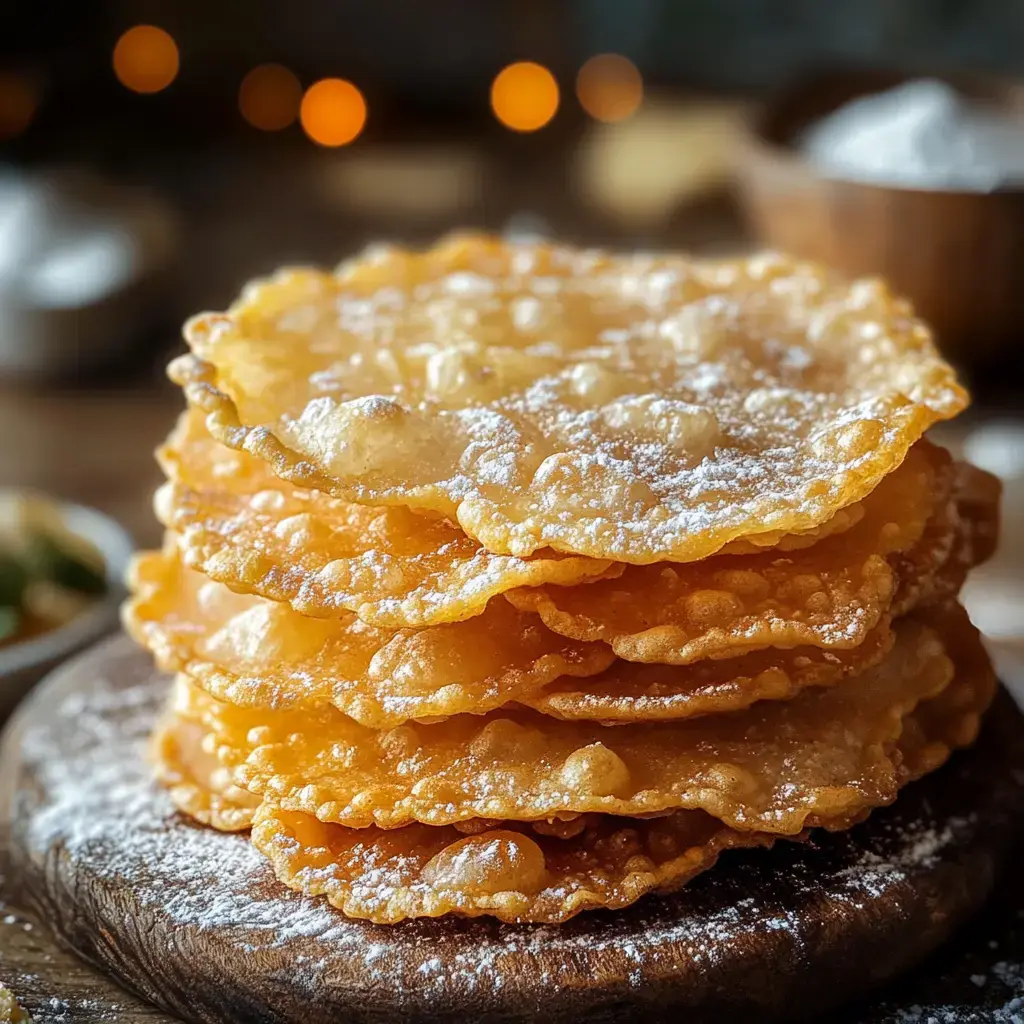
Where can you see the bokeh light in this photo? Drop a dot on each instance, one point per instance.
(18, 103)
(146, 59)
(269, 97)
(524, 96)
(333, 112)
(609, 87)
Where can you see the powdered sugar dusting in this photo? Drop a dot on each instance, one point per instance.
(99, 805)
(598, 405)
(1007, 976)
(874, 872)
(95, 776)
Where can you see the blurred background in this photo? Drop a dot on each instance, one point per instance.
(155, 155)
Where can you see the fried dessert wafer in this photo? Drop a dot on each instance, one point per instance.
(257, 653)
(952, 719)
(632, 692)
(828, 595)
(635, 408)
(510, 873)
(933, 571)
(424, 871)
(978, 496)
(197, 784)
(510, 579)
(516, 871)
(232, 647)
(201, 788)
(237, 523)
(779, 766)
(240, 525)
(780, 540)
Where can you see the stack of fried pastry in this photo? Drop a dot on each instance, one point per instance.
(520, 580)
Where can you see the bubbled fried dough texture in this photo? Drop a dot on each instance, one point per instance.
(974, 518)
(537, 871)
(198, 786)
(779, 766)
(634, 408)
(829, 595)
(421, 871)
(202, 788)
(258, 654)
(424, 871)
(632, 692)
(240, 525)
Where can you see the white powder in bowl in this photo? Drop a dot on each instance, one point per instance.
(922, 135)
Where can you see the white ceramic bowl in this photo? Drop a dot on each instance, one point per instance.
(23, 664)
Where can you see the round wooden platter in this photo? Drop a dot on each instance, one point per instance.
(194, 920)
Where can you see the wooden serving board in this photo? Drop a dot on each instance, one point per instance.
(194, 921)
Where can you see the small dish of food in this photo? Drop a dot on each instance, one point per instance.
(60, 581)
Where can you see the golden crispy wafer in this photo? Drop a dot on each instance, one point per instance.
(979, 496)
(425, 871)
(257, 653)
(202, 788)
(957, 539)
(950, 720)
(636, 408)
(780, 541)
(509, 873)
(632, 692)
(779, 766)
(828, 595)
(240, 525)
(197, 784)
(501, 869)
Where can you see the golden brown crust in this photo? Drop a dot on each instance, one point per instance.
(257, 653)
(760, 396)
(778, 766)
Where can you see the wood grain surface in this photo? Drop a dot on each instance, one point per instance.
(54, 985)
(195, 922)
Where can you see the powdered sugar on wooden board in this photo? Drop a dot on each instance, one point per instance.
(94, 807)
(146, 840)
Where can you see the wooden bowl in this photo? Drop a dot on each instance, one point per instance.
(959, 256)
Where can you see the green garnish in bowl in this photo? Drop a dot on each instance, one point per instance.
(47, 573)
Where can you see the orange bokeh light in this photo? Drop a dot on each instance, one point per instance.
(333, 112)
(18, 103)
(524, 96)
(269, 97)
(609, 87)
(146, 59)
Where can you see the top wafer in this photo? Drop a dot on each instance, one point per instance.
(638, 408)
